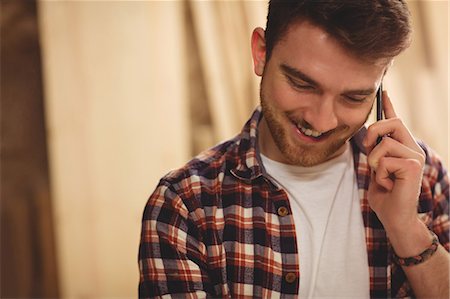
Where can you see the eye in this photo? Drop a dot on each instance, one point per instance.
(356, 100)
(298, 85)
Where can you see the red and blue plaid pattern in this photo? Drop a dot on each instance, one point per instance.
(218, 227)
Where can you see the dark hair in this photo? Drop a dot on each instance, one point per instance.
(370, 29)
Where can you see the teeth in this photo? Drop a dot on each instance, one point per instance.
(309, 132)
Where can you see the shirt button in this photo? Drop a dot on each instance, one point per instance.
(282, 211)
(290, 277)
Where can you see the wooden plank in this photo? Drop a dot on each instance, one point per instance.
(28, 257)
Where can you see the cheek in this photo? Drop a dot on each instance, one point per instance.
(354, 116)
(285, 97)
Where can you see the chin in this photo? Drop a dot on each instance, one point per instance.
(307, 157)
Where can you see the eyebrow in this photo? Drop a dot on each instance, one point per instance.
(302, 76)
(298, 74)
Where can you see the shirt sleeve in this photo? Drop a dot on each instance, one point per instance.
(172, 260)
(441, 217)
(438, 183)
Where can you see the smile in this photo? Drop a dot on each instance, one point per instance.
(309, 132)
(310, 135)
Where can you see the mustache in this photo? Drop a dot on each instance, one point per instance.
(307, 125)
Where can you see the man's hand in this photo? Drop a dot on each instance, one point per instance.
(397, 166)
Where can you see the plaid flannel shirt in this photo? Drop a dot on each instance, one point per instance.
(218, 227)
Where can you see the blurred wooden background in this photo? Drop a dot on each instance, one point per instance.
(28, 260)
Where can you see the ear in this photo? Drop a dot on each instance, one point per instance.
(258, 50)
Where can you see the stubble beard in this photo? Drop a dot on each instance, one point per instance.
(293, 151)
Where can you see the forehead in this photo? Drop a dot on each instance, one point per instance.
(310, 48)
(342, 38)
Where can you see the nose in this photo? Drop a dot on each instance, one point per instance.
(322, 115)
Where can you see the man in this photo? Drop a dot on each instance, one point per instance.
(305, 202)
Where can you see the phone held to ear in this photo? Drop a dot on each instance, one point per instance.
(380, 107)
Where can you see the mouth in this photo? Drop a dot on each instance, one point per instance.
(310, 134)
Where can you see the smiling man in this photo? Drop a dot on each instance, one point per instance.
(304, 202)
(311, 112)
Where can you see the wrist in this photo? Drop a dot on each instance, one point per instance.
(411, 240)
(420, 258)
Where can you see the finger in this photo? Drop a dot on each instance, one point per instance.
(381, 179)
(395, 129)
(392, 171)
(392, 148)
(388, 108)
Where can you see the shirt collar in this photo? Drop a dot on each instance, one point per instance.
(249, 165)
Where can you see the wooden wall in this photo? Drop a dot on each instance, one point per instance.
(28, 259)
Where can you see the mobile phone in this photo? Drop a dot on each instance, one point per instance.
(379, 107)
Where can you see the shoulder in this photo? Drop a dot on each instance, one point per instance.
(185, 190)
(206, 167)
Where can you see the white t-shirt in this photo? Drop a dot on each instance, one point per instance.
(329, 226)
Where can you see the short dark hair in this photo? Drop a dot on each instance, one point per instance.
(370, 29)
